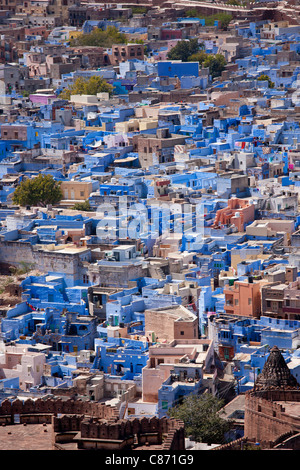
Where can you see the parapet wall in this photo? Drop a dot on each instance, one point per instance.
(55, 406)
(267, 415)
(92, 425)
(164, 432)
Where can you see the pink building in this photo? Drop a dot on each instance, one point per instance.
(197, 353)
(239, 212)
(243, 299)
(42, 98)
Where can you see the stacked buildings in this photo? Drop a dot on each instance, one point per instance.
(170, 265)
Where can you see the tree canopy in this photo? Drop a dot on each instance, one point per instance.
(215, 62)
(191, 51)
(183, 50)
(87, 86)
(266, 78)
(201, 417)
(222, 17)
(82, 206)
(100, 38)
(39, 191)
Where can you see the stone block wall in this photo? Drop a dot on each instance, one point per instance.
(266, 417)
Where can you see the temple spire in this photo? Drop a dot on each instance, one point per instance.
(275, 373)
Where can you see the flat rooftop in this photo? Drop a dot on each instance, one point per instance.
(292, 408)
(29, 437)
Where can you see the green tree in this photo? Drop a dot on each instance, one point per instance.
(39, 191)
(215, 62)
(96, 85)
(100, 38)
(82, 206)
(183, 50)
(139, 10)
(200, 57)
(202, 418)
(87, 86)
(264, 77)
(192, 13)
(223, 18)
(24, 268)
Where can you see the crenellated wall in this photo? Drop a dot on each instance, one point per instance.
(270, 414)
(93, 425)
(55, 406)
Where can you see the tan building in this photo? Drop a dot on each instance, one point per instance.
(76, 191)
(171, 323)
(282, 300)
(14, 132)
(251, 251)
(136, 125)
(61, 8)
(156, 149)
(11, 5)
(124, 52)
(271, 228)
(33, 7)
(18, 361)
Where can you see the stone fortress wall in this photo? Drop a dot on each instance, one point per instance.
(93, 425)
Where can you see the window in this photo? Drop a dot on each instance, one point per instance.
(182, 333)
(226, 353)
(249, 301)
